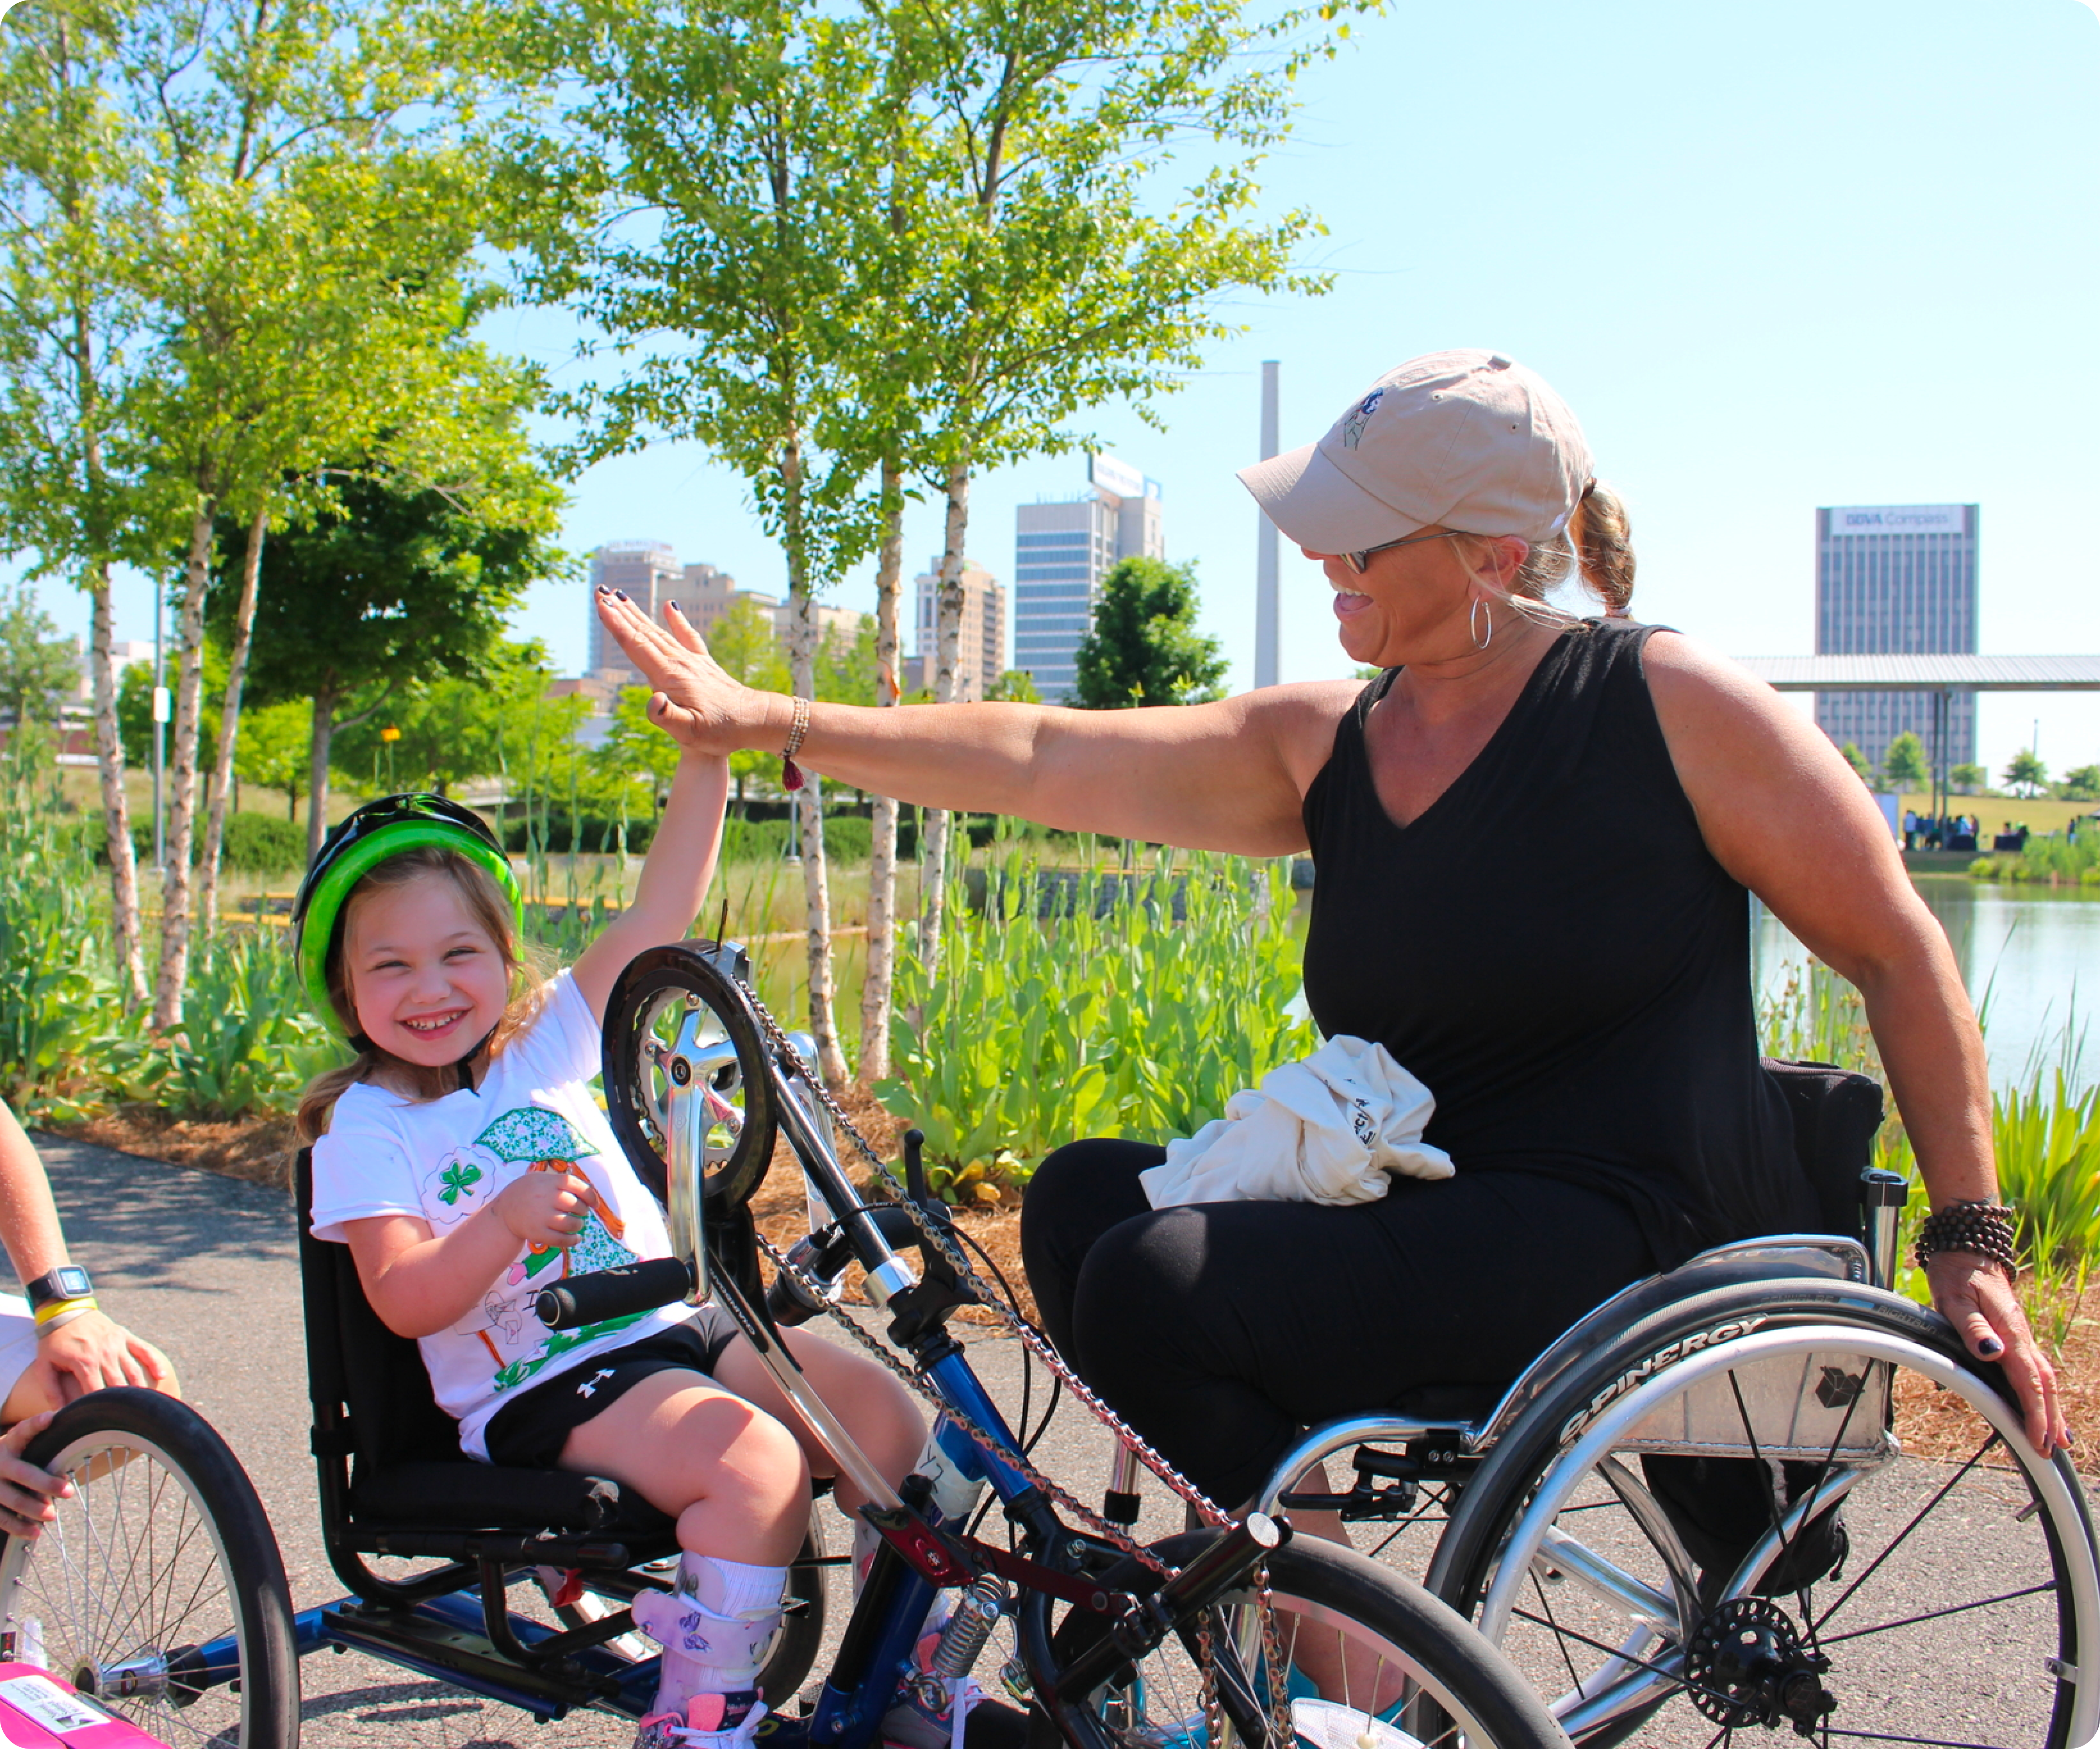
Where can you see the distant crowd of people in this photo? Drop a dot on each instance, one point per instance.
(1955, 832)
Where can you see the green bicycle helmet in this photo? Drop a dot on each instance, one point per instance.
(376, 831)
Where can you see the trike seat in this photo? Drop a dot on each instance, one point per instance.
(393, 1479)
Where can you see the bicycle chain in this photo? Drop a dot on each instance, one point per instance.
(1039, 1344)
(1281, 1725)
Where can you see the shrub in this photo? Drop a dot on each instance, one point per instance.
(263, 844)
(597, 837)
(1110, 1018)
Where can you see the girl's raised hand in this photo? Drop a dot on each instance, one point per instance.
(545, 1208)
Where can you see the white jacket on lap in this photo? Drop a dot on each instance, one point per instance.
(1328, 1129)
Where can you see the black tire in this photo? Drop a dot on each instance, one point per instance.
(794, 1653)
(1953, 1605)
(647, 1001)
(201, 1588)
(1420, 1653)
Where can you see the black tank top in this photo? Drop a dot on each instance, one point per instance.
(1552, 951)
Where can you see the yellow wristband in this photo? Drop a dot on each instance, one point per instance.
(51, 1308)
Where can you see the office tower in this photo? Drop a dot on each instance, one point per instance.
(706, 593)
(980, 647)
(1896, 578)
(1061, 553)
(648, 571)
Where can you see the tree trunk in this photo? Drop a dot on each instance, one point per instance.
(116, 810)
(182, 778)
(816, 879)
(933, 870)
(875, 995)
(325, 701)
(223, 784)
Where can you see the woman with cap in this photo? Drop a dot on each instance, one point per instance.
(1536, 837)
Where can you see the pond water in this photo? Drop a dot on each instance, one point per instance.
(2029, 957)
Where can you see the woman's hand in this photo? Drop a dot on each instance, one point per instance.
(1973, 1295)
(26, 1492)
(545, 1208)
(91, 1351)
(695, 702)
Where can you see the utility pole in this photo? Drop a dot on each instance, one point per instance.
(160, 715)
(1266, 609)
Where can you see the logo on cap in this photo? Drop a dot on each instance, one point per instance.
(1353, 430)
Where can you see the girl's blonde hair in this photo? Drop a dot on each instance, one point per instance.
(487, 906)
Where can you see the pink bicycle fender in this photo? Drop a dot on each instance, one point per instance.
(39, 1712)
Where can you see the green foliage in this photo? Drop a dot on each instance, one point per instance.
(1968, 778)
(1144, 648)
(454, 729)
(846, 666)
(274, 747)
(1904, 764)
(39, 670)
(264, 845)
(2079, 783)
(1016, 686)
(2025, 773)
(1112, 1017)
(1861, 768)
(55, 988)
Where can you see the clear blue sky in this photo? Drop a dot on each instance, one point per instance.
(1775, 256)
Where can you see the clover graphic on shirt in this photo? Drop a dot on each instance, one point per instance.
(460, 1182)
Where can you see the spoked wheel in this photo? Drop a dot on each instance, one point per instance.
(673, 1012)
(793, 1654)
(158, 1589)
(1370, 1661)
(1713, 1530)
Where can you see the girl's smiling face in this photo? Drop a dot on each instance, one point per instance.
(426, 978)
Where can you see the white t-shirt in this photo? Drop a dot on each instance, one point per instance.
(441, 1160)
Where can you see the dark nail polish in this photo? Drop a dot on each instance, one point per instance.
(1990, 1347)
(621, 593)
(674, 607)
(2069, 1438)
(603, 590)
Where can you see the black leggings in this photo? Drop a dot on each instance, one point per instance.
(1222, 1329)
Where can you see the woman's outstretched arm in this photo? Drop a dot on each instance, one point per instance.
(1228, 776)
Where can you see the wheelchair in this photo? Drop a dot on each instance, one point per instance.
(160, 1591)
(1691, 1516)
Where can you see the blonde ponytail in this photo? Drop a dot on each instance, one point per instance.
(1603, 547)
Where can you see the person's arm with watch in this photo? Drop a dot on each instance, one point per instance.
(79, 1347)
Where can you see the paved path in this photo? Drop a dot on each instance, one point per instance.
(207, 1267)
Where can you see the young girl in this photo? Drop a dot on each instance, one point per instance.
(462, 1158)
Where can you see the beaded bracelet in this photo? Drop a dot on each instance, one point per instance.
(1984, 1229)
(791, 773)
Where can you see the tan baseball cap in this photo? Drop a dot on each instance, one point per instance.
(1466, 439)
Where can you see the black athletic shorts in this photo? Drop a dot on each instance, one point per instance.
(529, 1432)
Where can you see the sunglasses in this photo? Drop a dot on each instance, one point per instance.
(1359, 562)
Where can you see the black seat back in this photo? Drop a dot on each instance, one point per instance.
(365, 1381)
(1836, 1114)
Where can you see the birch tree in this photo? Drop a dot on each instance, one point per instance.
(70, 341)
(1064, 283)
(714, 152)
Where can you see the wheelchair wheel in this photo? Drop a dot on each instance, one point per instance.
(1373, 1663)
(793, 1654)
(158, 1589)
(1711, 1526)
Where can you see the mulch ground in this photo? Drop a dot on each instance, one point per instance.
(1931, 1423)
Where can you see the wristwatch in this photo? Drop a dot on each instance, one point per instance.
(67, 1282)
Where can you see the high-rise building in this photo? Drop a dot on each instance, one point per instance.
(980, 647)
(1896, 578)
(1061, 553)
(706, 593)
(648, 571)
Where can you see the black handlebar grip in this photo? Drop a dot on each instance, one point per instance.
(614, 1293)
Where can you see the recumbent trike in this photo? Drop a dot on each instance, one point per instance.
(160, 1590)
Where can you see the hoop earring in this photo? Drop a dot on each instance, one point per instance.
(1472, 624)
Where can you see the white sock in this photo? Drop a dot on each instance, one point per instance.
(715, 1628)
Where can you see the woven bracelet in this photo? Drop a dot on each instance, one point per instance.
(1983, 1229)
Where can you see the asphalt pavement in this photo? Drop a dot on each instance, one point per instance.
(207, 1267)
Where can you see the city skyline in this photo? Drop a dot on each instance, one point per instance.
(1757, 322)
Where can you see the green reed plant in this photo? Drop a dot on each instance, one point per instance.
(1088, 1002)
